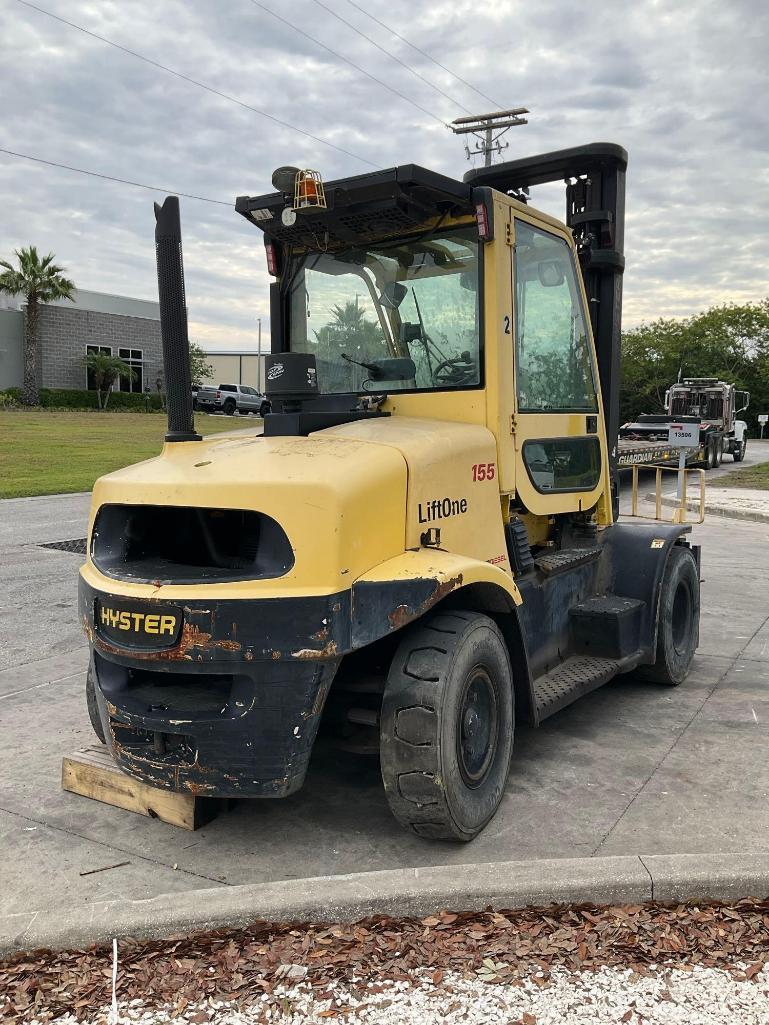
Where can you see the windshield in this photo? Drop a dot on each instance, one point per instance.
(399, 317)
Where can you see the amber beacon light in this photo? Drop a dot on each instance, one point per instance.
(309, 191)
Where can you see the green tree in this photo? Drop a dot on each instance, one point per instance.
(106, 370)
(350, 332)
(39, 280)
(199, 365)
(730, 342)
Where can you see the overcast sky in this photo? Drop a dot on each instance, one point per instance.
(684, 87)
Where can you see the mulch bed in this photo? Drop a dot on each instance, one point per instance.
(241, 965)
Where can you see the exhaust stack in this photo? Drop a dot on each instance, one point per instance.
(173, 322)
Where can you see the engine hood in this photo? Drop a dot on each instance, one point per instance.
(340, 500)
(349, 498)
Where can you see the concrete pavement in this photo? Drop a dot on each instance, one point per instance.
(631, 770)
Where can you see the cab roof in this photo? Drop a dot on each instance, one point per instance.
(364, 208)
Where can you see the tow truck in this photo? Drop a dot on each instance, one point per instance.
(711, 404)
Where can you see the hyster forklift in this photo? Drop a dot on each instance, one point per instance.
(421, 546)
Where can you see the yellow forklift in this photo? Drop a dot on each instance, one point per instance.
(421, 544)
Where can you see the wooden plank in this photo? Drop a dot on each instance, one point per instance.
(92, 773)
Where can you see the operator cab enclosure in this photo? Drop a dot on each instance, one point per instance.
(447, 302)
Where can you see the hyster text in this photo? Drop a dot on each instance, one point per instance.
(136, 621)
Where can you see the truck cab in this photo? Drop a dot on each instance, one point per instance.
(711, 404)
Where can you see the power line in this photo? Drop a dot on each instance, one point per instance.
(339, 56)
(424, 53)
(109, 178)
(193, 81)
(392, 56)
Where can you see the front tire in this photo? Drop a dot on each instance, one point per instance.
(446, 727)
(678, 627)
(739, 453)
(264, 409)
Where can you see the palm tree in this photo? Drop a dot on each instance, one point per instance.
(106, 370)
(39, 281)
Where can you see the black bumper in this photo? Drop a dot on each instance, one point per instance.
(230, 702)
(212, 730)
(231, 705)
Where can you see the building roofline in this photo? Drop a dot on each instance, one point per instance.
(232, 352)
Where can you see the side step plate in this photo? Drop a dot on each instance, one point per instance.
(565, 559)
(570, 680)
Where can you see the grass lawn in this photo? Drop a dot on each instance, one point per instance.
(47, 453)
(750, 477)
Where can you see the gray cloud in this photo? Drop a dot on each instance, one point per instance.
(681, 87)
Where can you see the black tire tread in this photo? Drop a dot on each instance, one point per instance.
(660, 671)
(410, 759)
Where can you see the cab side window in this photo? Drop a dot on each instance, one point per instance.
(554, 366)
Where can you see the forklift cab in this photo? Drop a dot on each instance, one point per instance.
(458, 301)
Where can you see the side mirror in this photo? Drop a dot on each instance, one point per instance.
(393, 295)
(398, 368)
(550, 273)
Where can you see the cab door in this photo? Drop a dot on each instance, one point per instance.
(561, 463)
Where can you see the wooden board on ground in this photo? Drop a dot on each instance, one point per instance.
(92, 773)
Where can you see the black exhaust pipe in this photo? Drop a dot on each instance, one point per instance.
(173, 322)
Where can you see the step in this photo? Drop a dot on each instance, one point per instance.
(607, 626)
(570, 680)
(565, 558)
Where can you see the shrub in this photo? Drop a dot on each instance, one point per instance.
(71, 398)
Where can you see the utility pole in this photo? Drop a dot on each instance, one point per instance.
(488, 129)
(260, 383)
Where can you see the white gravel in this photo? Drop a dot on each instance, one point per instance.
(702, 996)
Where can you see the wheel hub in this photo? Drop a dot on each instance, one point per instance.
(478, 727)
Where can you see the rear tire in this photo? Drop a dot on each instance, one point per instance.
(679, 620)
(93, 708)
(739, 453)
(710, 458)
(446, 726)
(229, 407)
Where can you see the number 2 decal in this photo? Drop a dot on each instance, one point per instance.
(506, 322)
(484, 471)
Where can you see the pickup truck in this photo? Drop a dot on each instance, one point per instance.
(230, 399)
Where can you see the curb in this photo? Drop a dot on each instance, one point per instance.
(403, 892)
(716, 510)
(43, 498)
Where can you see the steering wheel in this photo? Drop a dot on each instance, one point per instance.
(455, 371)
